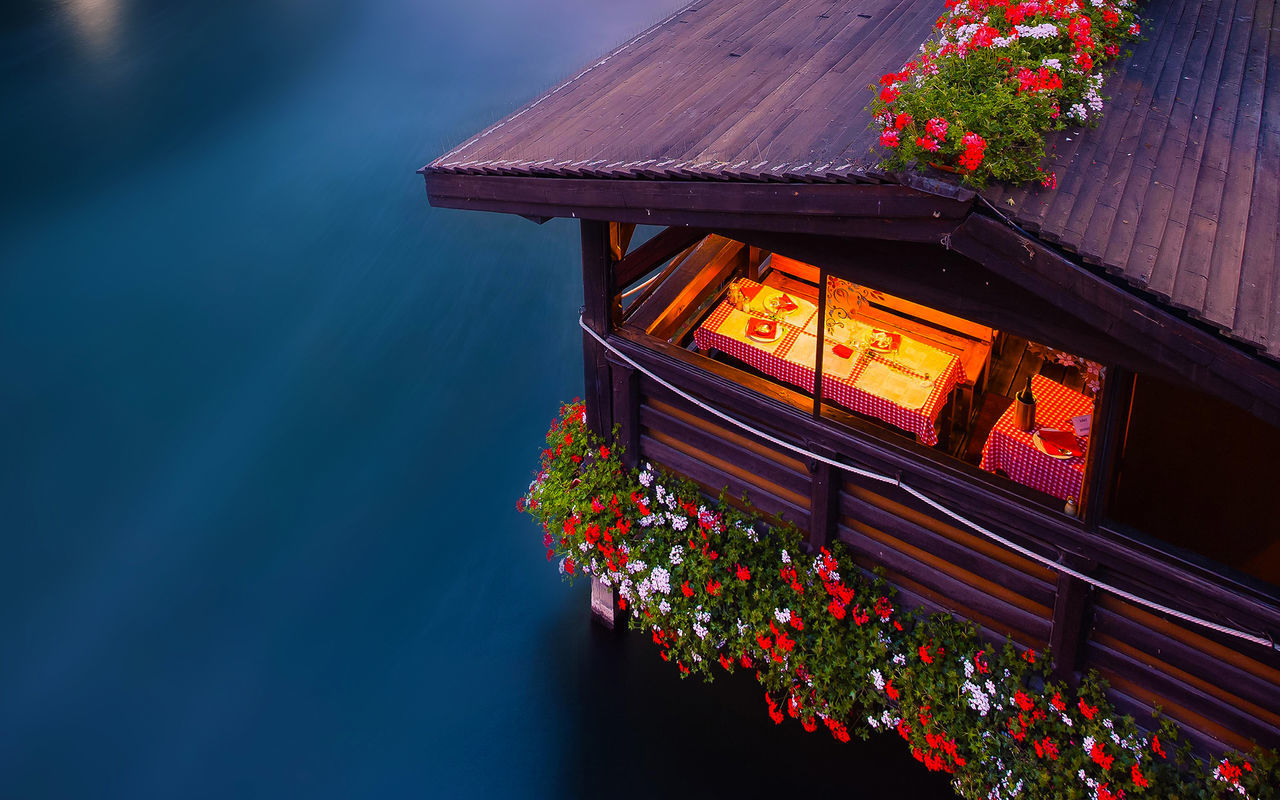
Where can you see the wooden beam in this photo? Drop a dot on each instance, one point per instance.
(597, 309)
(667, 244)
(1069, 631)
(980, 496)
(931, 276)
(626, 411)
(1186, 352)
(824, 499)
(883, 211)
(1105, 443)
(620, 238)
(700, 272)
(822, 344)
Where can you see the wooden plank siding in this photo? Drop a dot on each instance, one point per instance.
(1225, 692)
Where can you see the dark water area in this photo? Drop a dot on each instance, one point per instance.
(265, 416)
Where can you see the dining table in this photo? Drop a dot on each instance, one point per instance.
(1030, 461)
(905, 383)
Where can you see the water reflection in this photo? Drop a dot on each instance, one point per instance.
(97, 22)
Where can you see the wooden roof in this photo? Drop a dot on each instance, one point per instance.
(723, 89)
(1177, 191)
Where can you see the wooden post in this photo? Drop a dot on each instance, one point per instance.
(754, 256)
(1107, 438)
(822, 343)
(604, 604)
(597, 294)
(597, 313)
(1070, 610)
(626, 412)
(824, 494)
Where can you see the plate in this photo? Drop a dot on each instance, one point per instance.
(1043, 448)
(765, 339)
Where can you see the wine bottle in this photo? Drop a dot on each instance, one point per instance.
(1025, 409)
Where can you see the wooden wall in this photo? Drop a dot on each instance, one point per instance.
(1225, 691)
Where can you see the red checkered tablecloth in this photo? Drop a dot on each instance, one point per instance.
(1014, 452)
(845, 386)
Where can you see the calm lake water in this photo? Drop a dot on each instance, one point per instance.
(265, 416)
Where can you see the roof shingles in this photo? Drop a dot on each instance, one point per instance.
(1177, 190)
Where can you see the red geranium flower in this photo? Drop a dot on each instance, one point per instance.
(1139, 779)
(743, 573)
(889, 138)
(713, 587)
(686, 589)
(925, 143)
(1100, 757)
(936, 127)
(1087, 709)
(1156, 748)
(902, 121)
(888, 94)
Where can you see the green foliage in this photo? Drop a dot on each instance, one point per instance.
(1000, 75)
(719, 588)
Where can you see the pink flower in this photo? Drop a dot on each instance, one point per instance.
(889, 138)
(936, 127)
(1050, 181)
(926, 143)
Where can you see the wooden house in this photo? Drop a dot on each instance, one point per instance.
(722, 163)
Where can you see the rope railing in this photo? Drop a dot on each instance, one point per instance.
(1265, 641)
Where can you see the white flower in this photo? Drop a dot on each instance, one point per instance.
(646, 478)
(636, 565)
(661, 579)
(1087, 744)
(678, 522)
(873, 722)
(698, 629)
(782, 615)
(1079, 112)
(584, 546)
(659, 492)
(877, 679)
(786, 557)
(899, 659)
(1051, 63)
(1045, 30)
(1067, 720)
(677, 555)
(664, 607)
(741, 628)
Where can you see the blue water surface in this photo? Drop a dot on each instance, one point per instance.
(265, 416)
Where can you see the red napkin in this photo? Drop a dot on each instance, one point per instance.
(1063, 440)
(749, 292)
(786, 304)
(842, 351)
(762, 328)
(894, 339)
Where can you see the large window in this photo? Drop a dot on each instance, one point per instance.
(1200, 474)
(911, 372)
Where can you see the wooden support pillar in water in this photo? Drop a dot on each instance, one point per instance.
(604, 604)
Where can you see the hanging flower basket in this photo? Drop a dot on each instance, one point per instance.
(996, 78)
(719, 591)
